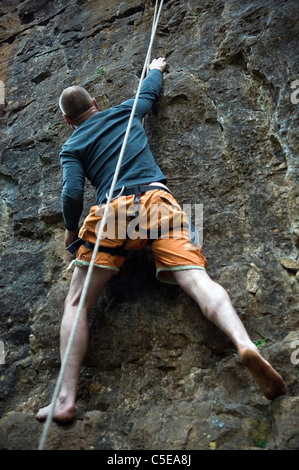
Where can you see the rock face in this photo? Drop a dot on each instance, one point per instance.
(157, 374)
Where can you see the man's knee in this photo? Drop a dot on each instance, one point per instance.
(72, 299)
(217, 299)
(210, 295)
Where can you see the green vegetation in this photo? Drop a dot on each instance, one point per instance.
(260, 342)
(259, 443)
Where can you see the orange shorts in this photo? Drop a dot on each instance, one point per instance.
(160, 221)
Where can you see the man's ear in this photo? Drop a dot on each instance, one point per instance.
(95, 103)
(68, 120)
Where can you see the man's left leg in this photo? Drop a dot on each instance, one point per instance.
(65, 406)
(215, 304)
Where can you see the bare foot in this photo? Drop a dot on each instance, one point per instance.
(63, 413)
(269, 381)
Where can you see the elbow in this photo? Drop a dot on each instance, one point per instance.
(72, 193)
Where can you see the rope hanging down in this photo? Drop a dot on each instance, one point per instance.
(99, 237)
(153, 26)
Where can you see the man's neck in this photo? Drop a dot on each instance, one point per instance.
(86, 115)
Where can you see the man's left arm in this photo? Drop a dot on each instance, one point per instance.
(70, 237)
(72, 195)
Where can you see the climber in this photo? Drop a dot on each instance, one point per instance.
(91, 152)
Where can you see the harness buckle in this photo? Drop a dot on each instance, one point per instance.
(118, 195)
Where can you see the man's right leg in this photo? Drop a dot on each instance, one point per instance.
(215, 304)
(65, 405)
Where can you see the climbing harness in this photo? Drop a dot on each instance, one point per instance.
(97, 244)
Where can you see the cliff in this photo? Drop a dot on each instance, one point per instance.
(157, 374)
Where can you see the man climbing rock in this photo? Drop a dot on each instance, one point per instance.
(92, 152)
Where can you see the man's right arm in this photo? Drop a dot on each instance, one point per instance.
(150, 88)
(159, 64)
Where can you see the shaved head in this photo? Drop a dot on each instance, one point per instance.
(74, 101)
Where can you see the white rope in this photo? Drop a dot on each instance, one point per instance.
(153, 26)
(149, 57)
(99, 237)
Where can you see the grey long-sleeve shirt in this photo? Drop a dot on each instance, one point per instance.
(93, 149)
